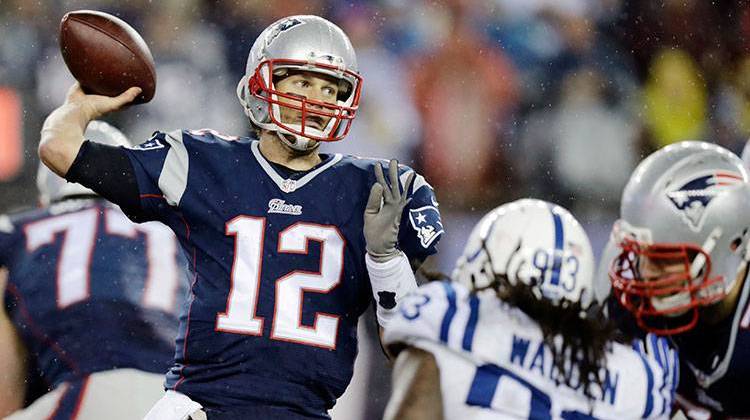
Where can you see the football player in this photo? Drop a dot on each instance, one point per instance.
(273, 227)
(518, 334)
(90, 306)
(680, 265)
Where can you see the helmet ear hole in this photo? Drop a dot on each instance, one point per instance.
(740, 241)
(735, 244)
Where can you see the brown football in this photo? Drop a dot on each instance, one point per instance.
(106, 55)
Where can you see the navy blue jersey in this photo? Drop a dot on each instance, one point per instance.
(715, 363)
(278, 257)
(89, 291)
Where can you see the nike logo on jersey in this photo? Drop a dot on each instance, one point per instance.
(280, 206)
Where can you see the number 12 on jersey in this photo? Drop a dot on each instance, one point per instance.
(240, 316)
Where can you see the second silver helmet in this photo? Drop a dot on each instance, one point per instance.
(682, 235)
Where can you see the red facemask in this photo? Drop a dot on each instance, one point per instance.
(636, 292)
(341, 116)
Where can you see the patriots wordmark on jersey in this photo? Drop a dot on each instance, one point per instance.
(90, 291)
(494, 364)
(278, 259)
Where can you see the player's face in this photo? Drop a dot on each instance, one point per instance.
(662, 269)
(652, 269)
(307, 85)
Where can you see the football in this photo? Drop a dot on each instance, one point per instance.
(106, 55)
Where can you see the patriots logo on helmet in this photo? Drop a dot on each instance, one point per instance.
(692, 197)
(426, 221)
(284, 25)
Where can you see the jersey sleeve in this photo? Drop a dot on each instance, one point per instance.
(421, 227)
(437, 312)
(661, 363)
(160, 165)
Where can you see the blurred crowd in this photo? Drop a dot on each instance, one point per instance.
(491, 100)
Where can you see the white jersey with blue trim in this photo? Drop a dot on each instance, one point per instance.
(494, 364)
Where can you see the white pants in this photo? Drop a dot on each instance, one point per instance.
(122, 394)
(176, 406)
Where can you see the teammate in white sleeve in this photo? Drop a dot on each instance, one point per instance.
(518, 333)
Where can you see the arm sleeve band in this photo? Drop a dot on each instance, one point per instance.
(108, 172)
(390, 281)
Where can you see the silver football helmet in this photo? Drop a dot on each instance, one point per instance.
(53, 188)
(682, 235)
(301, 43)
(533, 242)
(746, 155)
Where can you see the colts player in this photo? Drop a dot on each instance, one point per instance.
(274, 228)
(91, 304)
(518, 335)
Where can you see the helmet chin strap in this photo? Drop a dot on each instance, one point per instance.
(295, 142)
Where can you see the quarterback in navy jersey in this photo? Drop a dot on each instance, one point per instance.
(91, 302)
(288, 246)
(677, 262)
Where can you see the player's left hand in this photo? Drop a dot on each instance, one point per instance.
(382, 221)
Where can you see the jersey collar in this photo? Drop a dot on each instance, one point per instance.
(289, 185)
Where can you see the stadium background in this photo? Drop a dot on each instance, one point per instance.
(491, 100)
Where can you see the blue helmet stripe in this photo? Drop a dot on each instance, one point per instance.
(559, 240)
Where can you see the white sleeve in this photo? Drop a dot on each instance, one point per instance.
(440, 312)
(391, 281)
(662, 367)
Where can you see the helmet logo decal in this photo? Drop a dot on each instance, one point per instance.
(282, 26)
(692, 197)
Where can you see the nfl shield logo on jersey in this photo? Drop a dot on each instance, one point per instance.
(426, 221)
(288, 185)
(692, 196)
